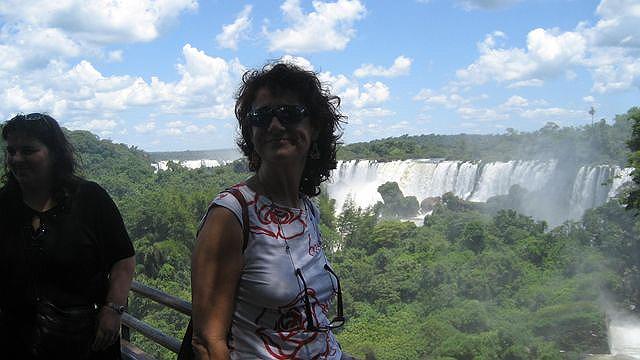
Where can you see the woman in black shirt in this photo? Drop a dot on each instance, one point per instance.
(66, 260)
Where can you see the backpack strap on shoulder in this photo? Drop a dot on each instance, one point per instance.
(245, 215)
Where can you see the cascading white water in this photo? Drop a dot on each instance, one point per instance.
(475, 181)
(497, 177)
(624, 339)
(594, 185)
(191, 164)
(358, 180)
(620, 177)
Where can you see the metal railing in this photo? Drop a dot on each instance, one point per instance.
(130, 351)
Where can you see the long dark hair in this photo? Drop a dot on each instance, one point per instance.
(45, 129)
(285, 78)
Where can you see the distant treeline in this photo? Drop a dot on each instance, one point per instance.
(600, 143)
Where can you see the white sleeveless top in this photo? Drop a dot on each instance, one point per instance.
(269, 320)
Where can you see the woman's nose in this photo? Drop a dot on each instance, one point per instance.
(275, 124)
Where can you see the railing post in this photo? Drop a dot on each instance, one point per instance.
(124, 329)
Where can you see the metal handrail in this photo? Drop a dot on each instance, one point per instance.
(165, 299)
(148, 331)
(132, 352)
(151, 333)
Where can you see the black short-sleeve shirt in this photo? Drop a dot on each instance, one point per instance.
(67, 261)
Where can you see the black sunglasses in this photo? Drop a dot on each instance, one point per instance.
(288, 115)
(338, 320)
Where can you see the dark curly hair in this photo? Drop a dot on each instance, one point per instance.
(45, 129)
(282, 78)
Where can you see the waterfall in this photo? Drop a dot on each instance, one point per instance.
(191, 164)
(624, 334)
(498, 177)
(621, 176)
(593, 185)
(358, 180)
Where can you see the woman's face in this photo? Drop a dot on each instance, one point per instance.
(277, 144)
(29, 160)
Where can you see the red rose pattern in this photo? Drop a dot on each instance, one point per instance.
(272, 214)
(290, 330)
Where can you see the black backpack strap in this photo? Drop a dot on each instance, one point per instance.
(186, 348)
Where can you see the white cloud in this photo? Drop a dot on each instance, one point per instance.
(328, 27)
(481, 114)
(46, 41)
(372, 112)
(191, 129)
(485, 4)
(516, 101)
(11, 58)
(401, 66)
(589, 99)
(35, 33)
(102, 127)
(401, 125)
(614, 69)
(172, 131)
(358, 101)
(145, 127)
(99, 21)
(180, 127)
(551, 113)
(448, 99)
(548, 54)
(431, 97)
(352, 94)
(526, 83)
(24, 48)
(298, 61)
(115, 56)
(205, 89)
(609, 50)
(371, 93)
(99, 125)
(232, 33)
(176, 124)
(618, 25)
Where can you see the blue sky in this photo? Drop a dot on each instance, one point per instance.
(161, 74)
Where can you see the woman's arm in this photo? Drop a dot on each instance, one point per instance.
(215, 270)
(120, 278)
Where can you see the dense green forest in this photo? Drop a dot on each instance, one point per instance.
(469, 284)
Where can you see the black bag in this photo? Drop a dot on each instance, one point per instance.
(66, 333)
(186, 348)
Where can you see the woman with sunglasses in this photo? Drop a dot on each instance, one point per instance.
(66, 261)
(270, 298)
